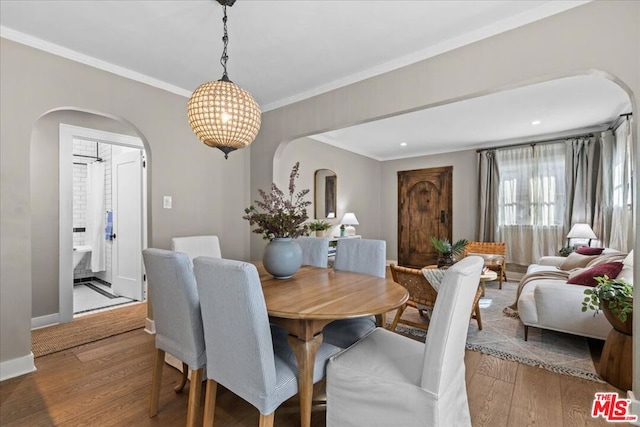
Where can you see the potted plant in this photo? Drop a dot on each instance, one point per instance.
(615, 298)
(281, 218)
(448, 250)
(319, 226)
(565, 251)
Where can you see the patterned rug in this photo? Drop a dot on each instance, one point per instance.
(502, 336)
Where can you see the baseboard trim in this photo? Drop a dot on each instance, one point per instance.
(16, 367)
(149, 326)
(42, 321)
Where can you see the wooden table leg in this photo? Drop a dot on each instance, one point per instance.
(305, 352)
(475, 309)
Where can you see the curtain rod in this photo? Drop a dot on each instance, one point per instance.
(618, 121)
(532, 143)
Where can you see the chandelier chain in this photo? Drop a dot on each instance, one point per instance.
(225, 40)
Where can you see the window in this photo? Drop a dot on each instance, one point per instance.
(532, 185)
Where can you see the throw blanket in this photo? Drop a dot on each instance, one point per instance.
(512, 310)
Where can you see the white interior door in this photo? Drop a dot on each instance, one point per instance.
(127, 225)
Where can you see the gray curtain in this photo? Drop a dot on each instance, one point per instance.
(604, 206)
(582, 175)
(488, 189)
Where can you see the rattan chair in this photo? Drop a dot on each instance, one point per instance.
(422, 296)
(494, 255)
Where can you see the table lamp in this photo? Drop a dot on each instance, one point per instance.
(581, 231)
(349, 219)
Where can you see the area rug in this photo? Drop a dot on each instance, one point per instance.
(503, 337)
(89, 328)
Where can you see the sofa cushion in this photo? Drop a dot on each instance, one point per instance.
(587, 277)
(575, 260)
(586, 250)
(628, 261)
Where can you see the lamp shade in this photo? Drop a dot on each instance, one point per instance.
(223, 115)
(581, 231)
(349, 219)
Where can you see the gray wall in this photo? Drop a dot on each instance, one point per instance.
(354, 172)
(209, 193)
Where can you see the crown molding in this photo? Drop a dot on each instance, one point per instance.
(91, 61)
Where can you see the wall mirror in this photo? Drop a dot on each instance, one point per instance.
(325, 193)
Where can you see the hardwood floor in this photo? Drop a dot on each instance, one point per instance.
(107, 383)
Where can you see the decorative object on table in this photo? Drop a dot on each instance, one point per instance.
(281, 220)
(565, 251)
(349, 220)
(221, 113)
(615, 298)
(319, 226)
(342, 230)
(581, 231)
(448, 250)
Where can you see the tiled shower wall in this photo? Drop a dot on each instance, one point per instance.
(88, 148)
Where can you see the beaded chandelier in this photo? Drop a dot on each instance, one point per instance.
(221, 113)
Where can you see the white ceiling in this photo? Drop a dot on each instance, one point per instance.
(285, 51)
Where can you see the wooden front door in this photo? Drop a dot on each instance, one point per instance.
(424, 210)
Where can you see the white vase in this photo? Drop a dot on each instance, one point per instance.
(282, 257)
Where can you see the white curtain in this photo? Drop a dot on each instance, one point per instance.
(619, 162)
(96, 215)
(531, 201)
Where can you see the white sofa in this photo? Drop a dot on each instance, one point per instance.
(550, 303)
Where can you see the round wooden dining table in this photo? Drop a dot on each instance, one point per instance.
(305, 303)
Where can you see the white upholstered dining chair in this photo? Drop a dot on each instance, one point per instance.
(178, 322)
(365, 256)
(315, 251)
(388, 379)
(195, 246)
(246, 354)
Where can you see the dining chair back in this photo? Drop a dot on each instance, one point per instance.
(245, 353)
(390, 379)
(195, 246)
(178, 323)
(315, 251)
(422, 296)
(366, 256)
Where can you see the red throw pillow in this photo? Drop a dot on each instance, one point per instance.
(587, 276)
(586, 250)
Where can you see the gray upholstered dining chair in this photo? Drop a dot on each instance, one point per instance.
(246, 354)
(366, 256)
(176, 311)
(389, 379)
(195, 246)
(315, 250)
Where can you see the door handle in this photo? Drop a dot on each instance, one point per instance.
(443, 217)
(113, 236)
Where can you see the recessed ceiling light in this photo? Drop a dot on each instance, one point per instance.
(535, 122)
(403, 144)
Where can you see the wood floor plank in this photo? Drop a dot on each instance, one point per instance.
(503, 370)
(577, 400)
(489, 400)
(536, 398)
(107, 383)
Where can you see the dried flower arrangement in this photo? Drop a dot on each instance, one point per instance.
(280, 216)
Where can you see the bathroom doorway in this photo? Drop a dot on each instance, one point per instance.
(102, 200)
